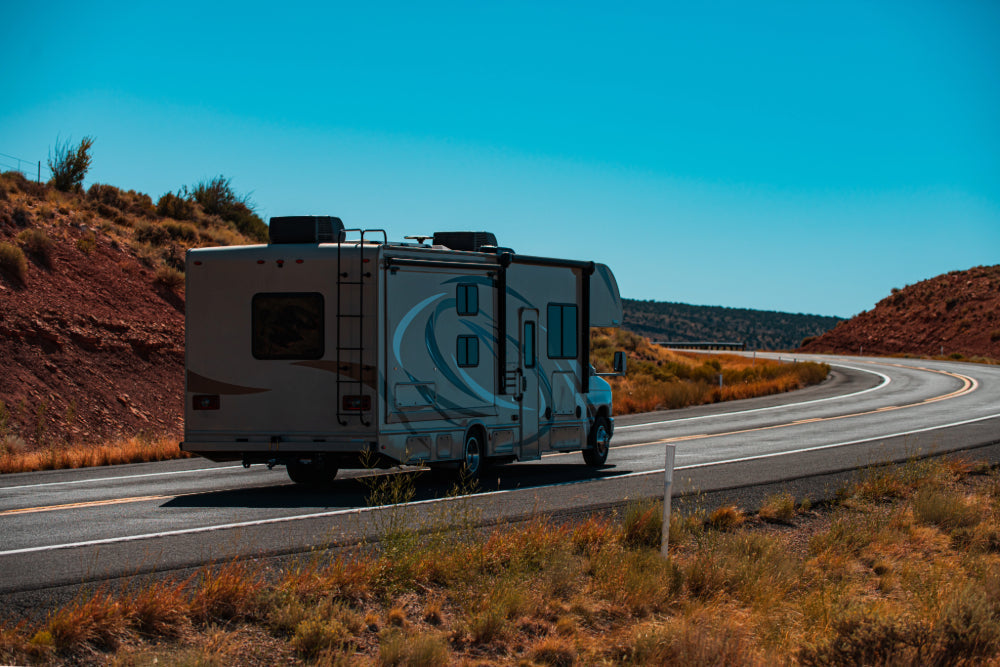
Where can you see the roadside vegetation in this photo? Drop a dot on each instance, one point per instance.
(16, 457)
(662, 379)
(209, 213)
(903, 568)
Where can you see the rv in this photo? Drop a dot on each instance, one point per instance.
(330, 348)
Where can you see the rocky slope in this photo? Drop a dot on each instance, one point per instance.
(956, 314)
(92, 320)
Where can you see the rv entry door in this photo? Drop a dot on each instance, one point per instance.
(528, 383)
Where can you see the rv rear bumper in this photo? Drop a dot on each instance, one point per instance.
(234, 449)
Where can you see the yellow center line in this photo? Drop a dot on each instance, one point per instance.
(92, 503)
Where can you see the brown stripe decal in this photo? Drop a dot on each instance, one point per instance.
(199, 384)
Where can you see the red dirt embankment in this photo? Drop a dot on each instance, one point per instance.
(91, 346)
(955, 314)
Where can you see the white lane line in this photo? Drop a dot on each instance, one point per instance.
(886, 381)
(117, 478)
(359, 510)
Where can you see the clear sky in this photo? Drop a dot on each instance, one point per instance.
(795, 156)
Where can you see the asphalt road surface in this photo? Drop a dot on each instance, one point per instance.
(63, 528)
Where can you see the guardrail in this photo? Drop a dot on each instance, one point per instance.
(702, 345)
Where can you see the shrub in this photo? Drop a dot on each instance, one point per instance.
(778, 508)
(218, 198)
(21, 216)
(13, 261)
(38, 243)
(944, 509)
(181, 231)
(87, 243)
(152, 233)
(108, 195)
(69, 165)
(170, 277)
(643, 523)
(726, 517)
(173, 206)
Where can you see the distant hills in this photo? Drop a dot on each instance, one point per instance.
(956, 315)
(759, 329)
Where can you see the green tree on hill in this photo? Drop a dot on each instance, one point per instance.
(70, 163)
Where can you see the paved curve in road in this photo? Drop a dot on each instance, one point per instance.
(68, 527)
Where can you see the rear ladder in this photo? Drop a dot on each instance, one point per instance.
(351, 368)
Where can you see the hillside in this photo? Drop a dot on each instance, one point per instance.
(759, 329)
(91, 311)
(956, 314)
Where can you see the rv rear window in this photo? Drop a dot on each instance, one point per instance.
(288, 325)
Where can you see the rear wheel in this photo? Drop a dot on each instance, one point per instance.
(310, 472)
(599, 441)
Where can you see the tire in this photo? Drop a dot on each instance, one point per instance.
(598, 442)
(470, 469)
(310, 473)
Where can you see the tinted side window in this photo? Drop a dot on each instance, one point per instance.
(467, 352)
(287, 325)
(562, 331)
(467, 299)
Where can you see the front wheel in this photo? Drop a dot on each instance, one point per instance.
(473, 458)
(598, 442)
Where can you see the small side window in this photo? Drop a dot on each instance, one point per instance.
(467, 351)
(467, 299)
(529, 344)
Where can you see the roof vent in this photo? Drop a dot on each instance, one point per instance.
(306, 229)
(465, 240)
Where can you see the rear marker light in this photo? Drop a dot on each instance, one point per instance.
(356, 403)
(260, 261)
(205, 402)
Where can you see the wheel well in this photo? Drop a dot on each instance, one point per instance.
(480, 431)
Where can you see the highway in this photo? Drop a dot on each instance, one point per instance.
(64, 528)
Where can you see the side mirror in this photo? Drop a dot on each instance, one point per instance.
(619, 363)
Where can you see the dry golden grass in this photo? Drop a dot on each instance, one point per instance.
(131, 450)
(877, 578)
(663, 379)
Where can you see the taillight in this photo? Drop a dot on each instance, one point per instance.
(357, 403)
(205, 402)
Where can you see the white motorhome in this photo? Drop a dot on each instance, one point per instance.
(319, 352)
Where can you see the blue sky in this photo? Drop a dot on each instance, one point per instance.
(803, 157)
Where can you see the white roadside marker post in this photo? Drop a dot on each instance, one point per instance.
(668, 482)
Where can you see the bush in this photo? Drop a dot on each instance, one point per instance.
(70, 164)
(178, 208)
(170, 277)
(218, 198)
(108, 195)
(181, 231)
(38, 243)
(13, 261)
(154, 234)
(87, 243)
